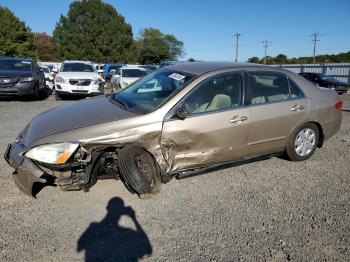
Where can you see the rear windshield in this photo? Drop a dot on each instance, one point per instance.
(133, 73)
(17, 65)
(77, 67)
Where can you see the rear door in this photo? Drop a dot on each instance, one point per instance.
(214, 129)
(276, 105)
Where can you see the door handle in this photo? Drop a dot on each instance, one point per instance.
(297, 108)
(238, 119)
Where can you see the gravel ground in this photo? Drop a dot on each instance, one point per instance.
(271, 210)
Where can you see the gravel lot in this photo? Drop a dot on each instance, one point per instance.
(272, 210)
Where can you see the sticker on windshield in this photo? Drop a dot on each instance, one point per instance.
(176, 76)
(25, 62)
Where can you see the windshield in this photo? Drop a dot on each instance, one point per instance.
(77, 67)
(17, 65)
(151, 91)
(133, 73)
(46, 69)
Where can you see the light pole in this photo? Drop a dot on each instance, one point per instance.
(315, 40)
(266, 45)
(237, 35)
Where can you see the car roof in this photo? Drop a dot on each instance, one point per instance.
(133, 67)
(199, 68)
(16, 59)
(76, 61)
(114, 64)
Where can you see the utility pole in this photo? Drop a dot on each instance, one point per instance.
(237, 35)
(315, 40)
(266, 45)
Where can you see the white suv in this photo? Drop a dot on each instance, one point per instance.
(78, 77)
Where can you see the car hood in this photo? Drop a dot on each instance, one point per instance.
(80, 114)
(78, 75)
(15, 73)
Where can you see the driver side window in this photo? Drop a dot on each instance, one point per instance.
(215, 94)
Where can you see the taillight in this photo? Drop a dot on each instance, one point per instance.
(339, 105)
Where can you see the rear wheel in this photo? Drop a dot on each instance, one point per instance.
(139, 171)
(303, 143)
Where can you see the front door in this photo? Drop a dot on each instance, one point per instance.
(215, 127)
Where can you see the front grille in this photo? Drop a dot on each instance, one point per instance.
(7, 82)
(80, 82)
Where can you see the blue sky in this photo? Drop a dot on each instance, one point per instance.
(207, 27)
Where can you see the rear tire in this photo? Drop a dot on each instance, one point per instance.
(36, 93)
(303, 142)
(139, 171)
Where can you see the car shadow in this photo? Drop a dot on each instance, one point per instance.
(108, 241)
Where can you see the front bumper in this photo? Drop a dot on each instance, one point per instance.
(30, 178)
(91, 89)
(26, 173)
(20, 89)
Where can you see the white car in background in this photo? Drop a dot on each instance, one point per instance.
(127, 75)
(49, 77)
(78, 78)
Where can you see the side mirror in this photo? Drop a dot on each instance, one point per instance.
(113, 72)
(180, 114)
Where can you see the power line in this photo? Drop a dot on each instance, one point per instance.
(237, 35)
(266, 45)
(315, 40)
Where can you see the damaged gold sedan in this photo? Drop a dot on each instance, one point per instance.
(177, 119)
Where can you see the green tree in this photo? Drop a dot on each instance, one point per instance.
(281, 59)
(16, 40)
(93, 31)
(254, 60)
(156, 46)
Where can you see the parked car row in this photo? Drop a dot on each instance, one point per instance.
(84, 78)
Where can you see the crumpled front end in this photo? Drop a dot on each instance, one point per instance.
(26, 173)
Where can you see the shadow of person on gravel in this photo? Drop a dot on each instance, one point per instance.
(108, 241)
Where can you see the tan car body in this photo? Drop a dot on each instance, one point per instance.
(211, 138)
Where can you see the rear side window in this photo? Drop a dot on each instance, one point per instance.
(269, 87)
(295, 91)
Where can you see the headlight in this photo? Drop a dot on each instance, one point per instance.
(98, 81)
(59, 80)
(52, 153)
(26, 79)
